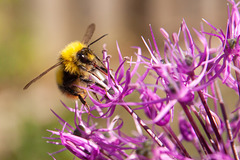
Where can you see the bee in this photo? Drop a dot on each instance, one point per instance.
(76, 62)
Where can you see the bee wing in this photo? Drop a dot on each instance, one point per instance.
(42, 74)
(88, 33)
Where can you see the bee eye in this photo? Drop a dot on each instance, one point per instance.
(83, 56)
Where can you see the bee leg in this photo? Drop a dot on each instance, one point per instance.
(104, 69)
(82, 68)
(75, 93)
(83, 102)
(88, 81)
(96, 96)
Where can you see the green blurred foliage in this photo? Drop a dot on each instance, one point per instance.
(34, 145)
(15, 40)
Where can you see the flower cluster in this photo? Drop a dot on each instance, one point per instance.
(185, 77)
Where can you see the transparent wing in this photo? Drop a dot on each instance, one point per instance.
(42, 74)
(88, 33)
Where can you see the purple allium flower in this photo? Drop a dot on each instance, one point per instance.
(175, 71)
(152, 110)
(229, 50)
(186, 75)
(116, 87)
(86, 141)
(186, 129)
(80, 147)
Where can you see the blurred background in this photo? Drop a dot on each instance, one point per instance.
(32, 32)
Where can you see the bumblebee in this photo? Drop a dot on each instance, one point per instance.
(77, 61)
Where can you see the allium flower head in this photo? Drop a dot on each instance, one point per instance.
(186, 129)
(117, 85)
(228, 52)
(185, 73)
(86, 141)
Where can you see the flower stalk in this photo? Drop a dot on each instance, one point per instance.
(226, 121)
(202, 141)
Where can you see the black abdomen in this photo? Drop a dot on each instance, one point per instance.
(68, 84)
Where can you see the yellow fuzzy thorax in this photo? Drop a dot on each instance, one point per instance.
(68, 55)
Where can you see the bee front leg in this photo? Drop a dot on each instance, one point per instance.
(87, 81)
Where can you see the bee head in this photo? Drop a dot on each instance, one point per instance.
(85, 56)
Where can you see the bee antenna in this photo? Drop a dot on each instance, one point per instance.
(97, 40)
